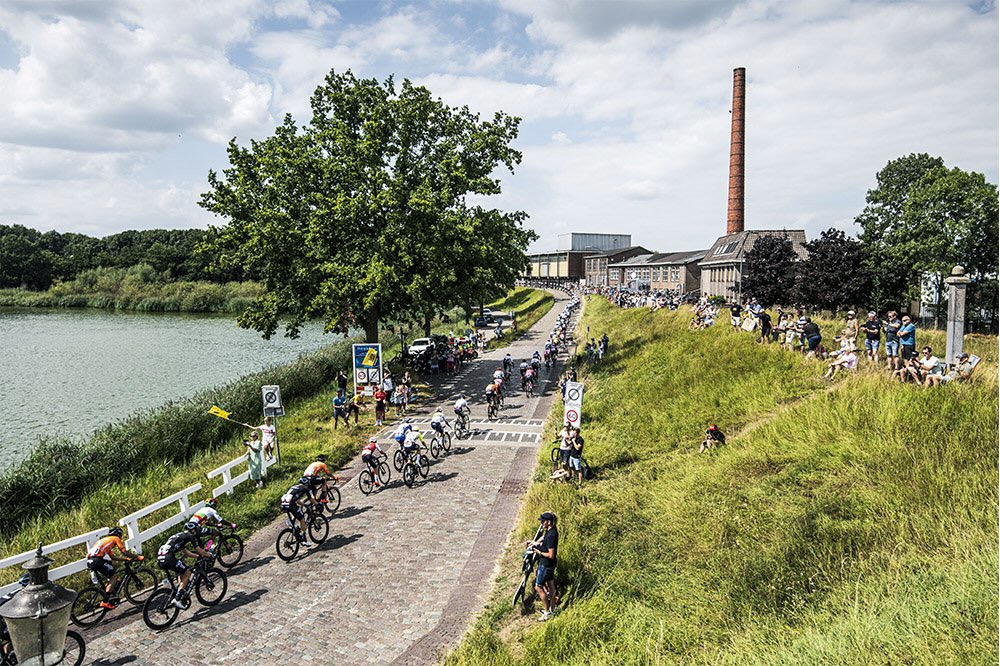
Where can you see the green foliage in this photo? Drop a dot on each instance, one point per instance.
(361, 215)
(925, 218)
(845, 523)
(768, 275)
(173, 434)
(834, 274)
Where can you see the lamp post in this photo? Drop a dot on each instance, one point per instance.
(38, 616)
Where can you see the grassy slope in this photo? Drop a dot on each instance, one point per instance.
(851, 524)
(305, 432)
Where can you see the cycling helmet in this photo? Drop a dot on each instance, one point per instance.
(190, 525)
(713, 427)
(212, 501)
(373, 439)
(305, 480)
(116, 531)
(321, 458)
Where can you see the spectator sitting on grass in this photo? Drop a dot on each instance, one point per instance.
(961, 372)
(847, 360)
(910, 369)
(713, 436)
(930, 365)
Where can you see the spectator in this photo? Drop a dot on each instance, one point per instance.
(907, 338)
(910, 369)
(255, 459)
(576, 455)
(565, 445)
(765, 326)
(734, 316)
(873, 335)
(930, 366)
(380, 397)
(713, 436)
(339, 409)
(851, 328)
(847, 360)
(892, 326)
(546, 548)
(961, 372)
(810, 330)
(341, 383)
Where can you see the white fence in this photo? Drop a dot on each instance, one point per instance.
(136, 536)
(228, 480)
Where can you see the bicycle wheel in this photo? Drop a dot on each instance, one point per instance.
(519, 593)
(409, 474)
(398, 460)
(319, 528)
(366, 482)
(446, 441)
(139, 584)
(230, 551)
(555, 454)
(384, 475)
(158, 612)
(287, 544)
(435, 447)
(211, 587)
(74, 650)
(332, 496)
(87, 609)
(423, 465)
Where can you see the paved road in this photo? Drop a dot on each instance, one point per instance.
(403, 572)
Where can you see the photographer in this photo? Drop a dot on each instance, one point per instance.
(545, 548)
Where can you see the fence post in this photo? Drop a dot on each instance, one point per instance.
(957, 282)
(133, 534)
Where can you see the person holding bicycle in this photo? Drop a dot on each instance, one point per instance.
(368, 457)
(546, 548)
(168, 557)
(100, 559)
(292, 502)
(318, 477)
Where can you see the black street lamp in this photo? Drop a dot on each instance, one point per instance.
(38, 616)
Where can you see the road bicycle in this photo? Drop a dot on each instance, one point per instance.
(329, 499)
(74, 651)
(527, 568)
(416, 463)
(492, 409)
(529, 388)
(367, 481)
(462, 426)
(229, 551)
(209, 583)
(135, 582)
(291, 538)
(440, 443)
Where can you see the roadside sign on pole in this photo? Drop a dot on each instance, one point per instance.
(271, 397)
(571, 415)
(574, 394)
(367, 367)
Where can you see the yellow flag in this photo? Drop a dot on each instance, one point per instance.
(370, 358)
(221, 413)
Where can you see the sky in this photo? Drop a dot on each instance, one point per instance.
(112, 112)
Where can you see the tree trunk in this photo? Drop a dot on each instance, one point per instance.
(371, 324)
(427, 325)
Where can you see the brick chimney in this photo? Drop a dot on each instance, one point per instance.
(734, 220)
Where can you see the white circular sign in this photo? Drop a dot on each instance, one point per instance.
(572, 416)
(573, 394)
(362, 376)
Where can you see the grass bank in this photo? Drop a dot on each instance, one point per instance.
(529, 305)
(139, 288)
(67, 488)
(851, 523)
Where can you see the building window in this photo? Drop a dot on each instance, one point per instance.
(675, 274)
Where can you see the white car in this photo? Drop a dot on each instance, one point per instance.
(419, 346)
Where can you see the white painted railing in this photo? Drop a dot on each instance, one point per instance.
(228, 480)
(76, 565)
(136, 536)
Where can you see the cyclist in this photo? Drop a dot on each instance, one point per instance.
(439, 422)
(508, 364)
(208, 514)
(404, 427)
(500, 375)
(367, 457)
(100, 558)
(413, 443)
(536, 361)
(292, 502)
(168, 557)
(523, 368)
(318, 476)
(462, 410)
(529, 376)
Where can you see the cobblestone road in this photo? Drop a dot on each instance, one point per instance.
(403, 572)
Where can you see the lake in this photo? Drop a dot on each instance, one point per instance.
(67, 372)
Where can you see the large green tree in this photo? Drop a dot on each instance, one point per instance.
(768, 270)
(360, 215)
(834, 274)
(923, 218)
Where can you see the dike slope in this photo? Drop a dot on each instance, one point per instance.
(852, 523)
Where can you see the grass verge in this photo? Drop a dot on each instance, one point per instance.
(851, 523)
